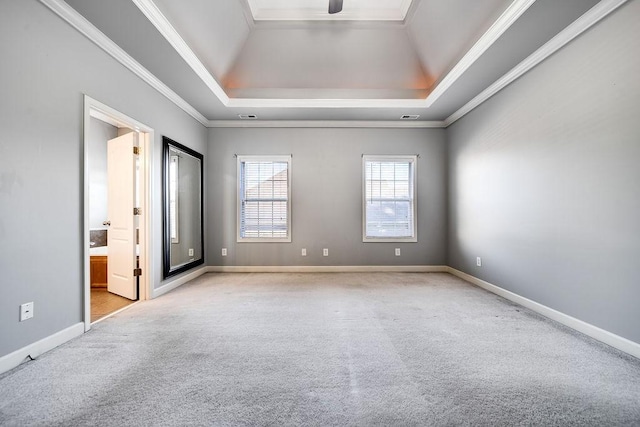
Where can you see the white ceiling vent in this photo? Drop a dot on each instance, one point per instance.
(410, 117)
(247, 116)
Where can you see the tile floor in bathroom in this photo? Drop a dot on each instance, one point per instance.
(104, 303)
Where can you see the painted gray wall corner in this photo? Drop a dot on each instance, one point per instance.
(544, 181)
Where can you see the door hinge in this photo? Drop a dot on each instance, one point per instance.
(136, 150)
(137, 211)
(137, 272)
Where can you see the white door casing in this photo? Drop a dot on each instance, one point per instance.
(121, 237)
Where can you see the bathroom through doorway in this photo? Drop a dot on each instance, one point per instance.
(117, 156)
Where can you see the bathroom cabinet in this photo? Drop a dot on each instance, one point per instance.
(98, 267)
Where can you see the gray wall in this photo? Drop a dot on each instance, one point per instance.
(47, 66)
(326, 176)
(545, 181)
(99, 133)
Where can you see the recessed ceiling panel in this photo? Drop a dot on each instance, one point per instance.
(318, 10)
(341, 61)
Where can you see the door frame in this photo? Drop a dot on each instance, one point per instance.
(94, 108)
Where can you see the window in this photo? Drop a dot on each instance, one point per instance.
(389, 187)
(264, 192)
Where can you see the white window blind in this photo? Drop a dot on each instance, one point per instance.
(389, 198)
(264, 198)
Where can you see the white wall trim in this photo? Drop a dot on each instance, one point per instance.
(157, 18)
(586, 21)
(34, 350)
(599, 334)
(324, 124)
(328, 269)
(506, 20)
(85, 27)
(155, 293)
(515, 10)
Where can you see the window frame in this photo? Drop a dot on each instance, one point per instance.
(413, 161)
(260, 158)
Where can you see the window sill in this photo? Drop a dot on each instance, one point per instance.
(263, 240)
(390, 240)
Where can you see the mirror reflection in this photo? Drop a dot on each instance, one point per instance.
(183, 231)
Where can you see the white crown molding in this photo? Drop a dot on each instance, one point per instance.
(594, 15)
(595, 332)
(248, 16)
(511, 15)
(586, 21)
(86, 28)
(504, 22)
(162, 24)
(157, 18)
(324, 124)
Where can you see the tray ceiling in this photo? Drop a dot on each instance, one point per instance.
(219, 60)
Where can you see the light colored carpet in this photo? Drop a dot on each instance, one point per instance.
(326, 349)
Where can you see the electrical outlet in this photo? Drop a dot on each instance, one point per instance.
(191, 252)
(304, 252)
(26, 311)
(325, 252)
(479, 262)
(397, 251)
(224, 251)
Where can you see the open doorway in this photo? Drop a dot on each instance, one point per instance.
(117, 155)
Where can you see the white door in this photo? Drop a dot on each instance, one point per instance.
(121, 237)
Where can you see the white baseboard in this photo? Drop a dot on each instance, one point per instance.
(599, 334)
(34, 350)
(330, 269)
(155, 293)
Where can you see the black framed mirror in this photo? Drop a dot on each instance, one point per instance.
(182, 200)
